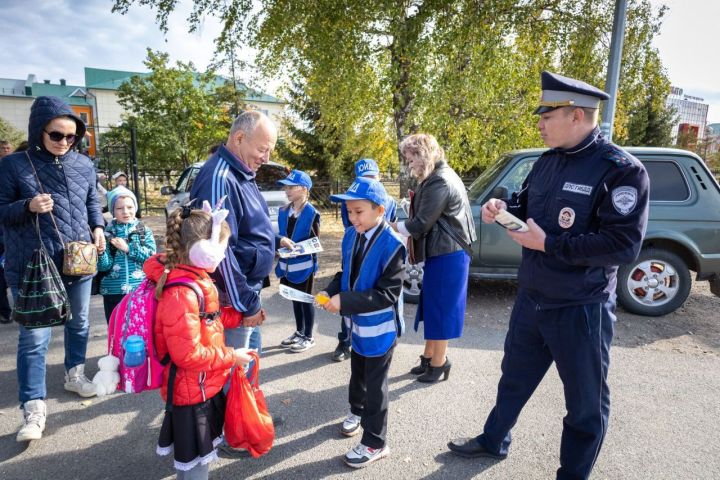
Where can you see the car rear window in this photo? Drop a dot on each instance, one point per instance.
(268, 175)
(667, 183)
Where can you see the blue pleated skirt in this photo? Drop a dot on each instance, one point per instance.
(444, 296)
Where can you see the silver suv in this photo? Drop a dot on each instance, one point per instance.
(266, 179)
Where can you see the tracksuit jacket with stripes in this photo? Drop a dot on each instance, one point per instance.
(251, 249)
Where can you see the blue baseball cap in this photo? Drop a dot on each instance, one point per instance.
(363, 189)
(365, 167)
(559, 91)
(297, 177)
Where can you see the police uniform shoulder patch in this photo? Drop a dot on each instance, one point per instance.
(624, 199)
(617, 156)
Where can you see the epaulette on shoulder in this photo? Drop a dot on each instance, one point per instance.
(617, 156)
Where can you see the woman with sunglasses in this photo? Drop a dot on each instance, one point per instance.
(57, 184)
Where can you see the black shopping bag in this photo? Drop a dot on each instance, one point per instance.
(42, 300)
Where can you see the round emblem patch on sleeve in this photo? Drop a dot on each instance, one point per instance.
(624, 199)
(566, 217)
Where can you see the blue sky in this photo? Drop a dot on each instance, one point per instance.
(56, 38)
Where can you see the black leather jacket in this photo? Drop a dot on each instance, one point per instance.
(442, 193)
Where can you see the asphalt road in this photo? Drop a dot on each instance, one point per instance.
(665, 413)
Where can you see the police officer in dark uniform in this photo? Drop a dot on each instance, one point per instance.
(586, 205)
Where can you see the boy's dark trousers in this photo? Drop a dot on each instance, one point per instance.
(344, 335)
(369, 395)
(304, 318)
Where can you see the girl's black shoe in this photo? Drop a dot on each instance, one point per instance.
(433, 374)
(420, 369)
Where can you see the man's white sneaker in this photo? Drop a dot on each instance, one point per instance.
(291, 340)
(76, 381)
(305, 343)
(34, 412)
(351, 426)
(362, 455)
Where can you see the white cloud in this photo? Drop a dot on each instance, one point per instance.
(57, 38)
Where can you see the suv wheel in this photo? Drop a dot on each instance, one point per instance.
(412, 284)
(655, 284)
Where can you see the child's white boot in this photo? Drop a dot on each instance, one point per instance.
(76, 381)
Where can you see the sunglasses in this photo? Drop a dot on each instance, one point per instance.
(57, 136)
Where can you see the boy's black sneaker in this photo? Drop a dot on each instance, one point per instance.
(291, 340)
(341, 353)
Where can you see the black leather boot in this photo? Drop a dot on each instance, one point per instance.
(433, 374)
(420, 369)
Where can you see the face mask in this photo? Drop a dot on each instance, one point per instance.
(207, 254)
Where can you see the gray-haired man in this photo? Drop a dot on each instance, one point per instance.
(251, 251)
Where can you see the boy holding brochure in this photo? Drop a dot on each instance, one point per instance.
(298, 221)
(368, 294)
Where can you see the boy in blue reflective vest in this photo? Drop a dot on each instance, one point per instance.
(298, 221)
(368, 293)
(365, 168)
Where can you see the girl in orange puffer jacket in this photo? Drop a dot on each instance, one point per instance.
(200, 361)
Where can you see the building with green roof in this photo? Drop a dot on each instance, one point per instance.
(96, 102)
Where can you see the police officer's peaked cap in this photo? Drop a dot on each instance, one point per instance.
(559, 91)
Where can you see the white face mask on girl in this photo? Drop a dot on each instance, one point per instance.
(207, 254)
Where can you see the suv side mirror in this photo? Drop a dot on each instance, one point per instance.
(167, 190)
(499, 192)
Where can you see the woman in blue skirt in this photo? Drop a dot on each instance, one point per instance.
(441, 229)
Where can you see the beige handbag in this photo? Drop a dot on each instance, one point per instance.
(79, 257)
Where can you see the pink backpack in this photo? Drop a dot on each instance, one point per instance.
(135, 315)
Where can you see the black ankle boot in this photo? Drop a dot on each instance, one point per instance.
(420, 369)
(433, 374)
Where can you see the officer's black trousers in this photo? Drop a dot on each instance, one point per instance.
(578, 339)
(369, 395)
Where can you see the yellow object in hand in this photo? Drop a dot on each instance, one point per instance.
(322, 299)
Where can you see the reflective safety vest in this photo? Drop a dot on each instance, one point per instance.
(373, 333)
(297, 269)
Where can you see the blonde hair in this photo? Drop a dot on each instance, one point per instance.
(181, 234)
(424, 146)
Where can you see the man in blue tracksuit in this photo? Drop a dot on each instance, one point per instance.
(230, 172)
(586, 206)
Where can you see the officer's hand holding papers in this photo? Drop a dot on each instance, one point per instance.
(529, 234)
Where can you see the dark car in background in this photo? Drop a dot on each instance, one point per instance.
(266, 178)
(683, 233)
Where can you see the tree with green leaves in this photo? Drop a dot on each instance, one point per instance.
(466, 71)
(10, 133)
(177, 112)
(325, 149)
(651, 120)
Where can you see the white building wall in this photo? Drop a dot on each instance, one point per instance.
(110, 113)
(276, 111)
(108, 110)
(16, 111)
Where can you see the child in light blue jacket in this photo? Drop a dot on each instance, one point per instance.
(129, 244)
